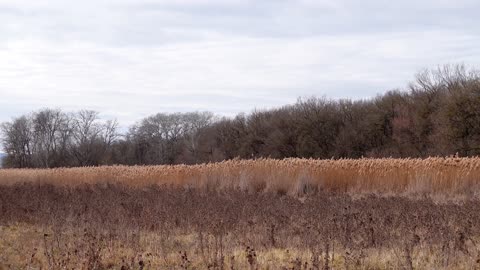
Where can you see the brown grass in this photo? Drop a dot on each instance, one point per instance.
(439, 176)
(118, 227)
(342, 214)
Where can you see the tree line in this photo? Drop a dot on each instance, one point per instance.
(437, 115)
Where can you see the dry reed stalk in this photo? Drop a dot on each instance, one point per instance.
(293, 176)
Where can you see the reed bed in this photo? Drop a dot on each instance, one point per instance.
(460, 176)
(341, 214)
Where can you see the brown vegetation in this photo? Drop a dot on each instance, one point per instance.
(254, 209)
(262, 214)
(447, 177)
(112, 226)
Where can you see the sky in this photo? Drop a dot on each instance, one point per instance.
(132, 58)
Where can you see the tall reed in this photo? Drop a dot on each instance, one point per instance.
(460, 176)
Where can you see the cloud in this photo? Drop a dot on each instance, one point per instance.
(132, 58)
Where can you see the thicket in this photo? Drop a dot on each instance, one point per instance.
(112, 226)
(438, 115)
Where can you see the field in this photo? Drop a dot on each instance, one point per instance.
(245, 214)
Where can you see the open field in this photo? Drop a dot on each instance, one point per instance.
(262, 214)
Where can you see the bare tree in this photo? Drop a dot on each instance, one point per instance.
(91, 138)
(17, 142)
(195, 123)
(51, 134)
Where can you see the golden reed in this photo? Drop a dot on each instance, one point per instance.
(447, 176)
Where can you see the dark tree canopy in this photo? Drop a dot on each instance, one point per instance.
(438, 115)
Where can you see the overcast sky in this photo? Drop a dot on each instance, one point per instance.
(132, 58)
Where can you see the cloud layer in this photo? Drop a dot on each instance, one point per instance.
(132, 58)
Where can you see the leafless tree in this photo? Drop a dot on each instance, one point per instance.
(91, 138)
(51, 134)
(17, 142)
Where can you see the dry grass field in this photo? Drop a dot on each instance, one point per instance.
(432, 176)
(257, 214)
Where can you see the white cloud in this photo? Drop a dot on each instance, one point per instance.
(132, 58)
